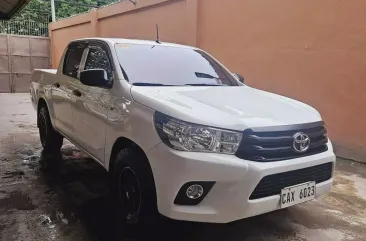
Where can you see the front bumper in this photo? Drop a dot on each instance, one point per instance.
(235, 179)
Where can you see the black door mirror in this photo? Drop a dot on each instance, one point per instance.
(95, 77)
(239, 77)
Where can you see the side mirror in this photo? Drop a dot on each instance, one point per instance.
(239, 77)
(95, 77)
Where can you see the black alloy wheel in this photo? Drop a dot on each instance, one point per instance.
(130, 194)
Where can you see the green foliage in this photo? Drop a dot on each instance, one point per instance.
(64, 9)
(34, 18)
(36, 10)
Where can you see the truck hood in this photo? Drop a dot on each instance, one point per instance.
(229, 107)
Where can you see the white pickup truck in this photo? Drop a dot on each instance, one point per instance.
(179, 133)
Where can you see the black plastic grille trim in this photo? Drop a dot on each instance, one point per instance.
(272, 184)
(269, 144)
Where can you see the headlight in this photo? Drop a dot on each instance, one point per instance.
(186, 136)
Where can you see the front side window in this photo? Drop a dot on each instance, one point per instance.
(72, 60)
(98, 59)
(149, 64)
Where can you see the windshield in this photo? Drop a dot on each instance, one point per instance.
(157, 65)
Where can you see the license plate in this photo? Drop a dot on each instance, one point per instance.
(297, 194)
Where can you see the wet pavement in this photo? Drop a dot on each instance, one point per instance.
(64, 196)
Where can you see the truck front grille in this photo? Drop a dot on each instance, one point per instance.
(272, 185)
(268, 144)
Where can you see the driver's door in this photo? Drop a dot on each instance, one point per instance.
(90, 108)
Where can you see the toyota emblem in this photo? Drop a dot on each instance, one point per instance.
(301, 142)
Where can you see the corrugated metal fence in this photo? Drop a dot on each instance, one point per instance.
(19, 56)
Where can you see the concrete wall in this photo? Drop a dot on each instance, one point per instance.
(125, 20)
(62, 37)
(313, 51)
(141, 24)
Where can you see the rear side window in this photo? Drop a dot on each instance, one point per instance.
(72, 61)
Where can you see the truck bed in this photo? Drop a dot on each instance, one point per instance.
(40, 78)
(51, 71)
(39, 74)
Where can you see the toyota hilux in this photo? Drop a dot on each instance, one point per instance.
(179, 133)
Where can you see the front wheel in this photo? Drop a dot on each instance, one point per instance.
(134, 189)
(51, 140)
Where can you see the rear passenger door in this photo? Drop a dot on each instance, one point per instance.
(61, 90)
(90, 109)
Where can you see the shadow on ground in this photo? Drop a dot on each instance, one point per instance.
(82, 187)
(65, 196)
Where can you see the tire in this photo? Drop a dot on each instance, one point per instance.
(51, 140)
(133, 189)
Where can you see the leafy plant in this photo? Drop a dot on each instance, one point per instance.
(34, 18)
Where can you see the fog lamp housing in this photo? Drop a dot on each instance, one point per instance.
(192, 193)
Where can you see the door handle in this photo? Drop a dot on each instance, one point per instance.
(76, 93)
(57, 85)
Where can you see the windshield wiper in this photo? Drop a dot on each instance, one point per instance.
(205, 76)
(158, 84)
(205, 85)
(149, 84)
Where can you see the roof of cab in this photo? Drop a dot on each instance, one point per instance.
(136, 41)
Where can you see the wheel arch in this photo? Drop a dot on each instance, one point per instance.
(146, 175)
(120, 144)
(41, 103)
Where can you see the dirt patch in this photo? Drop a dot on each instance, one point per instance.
(14, 174)
(345, 196)
(360, 185)
(16, 200)
(352, 168)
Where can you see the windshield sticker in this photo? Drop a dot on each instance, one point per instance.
(123, 45)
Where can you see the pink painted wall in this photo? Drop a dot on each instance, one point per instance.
(313, 51)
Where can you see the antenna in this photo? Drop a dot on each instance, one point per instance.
(157, 34)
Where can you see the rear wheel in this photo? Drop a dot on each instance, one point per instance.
(51, 140)
(134, 189)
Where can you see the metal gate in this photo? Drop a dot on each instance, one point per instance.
(19, 56)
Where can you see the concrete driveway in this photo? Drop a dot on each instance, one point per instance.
(65, 197)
